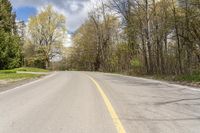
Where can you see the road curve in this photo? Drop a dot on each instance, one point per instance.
(69, 102)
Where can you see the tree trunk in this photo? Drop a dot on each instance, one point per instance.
(180, 71)
(151, 71)
(47, 63)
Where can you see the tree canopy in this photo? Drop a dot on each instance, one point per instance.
(154, 37)
(46, 33)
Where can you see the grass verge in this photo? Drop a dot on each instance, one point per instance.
(193, 78)
(18, 76)
(189, 80)
(30, 69)
(13, 75)
(185, 79)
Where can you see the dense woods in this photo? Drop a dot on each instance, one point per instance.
(139, 37)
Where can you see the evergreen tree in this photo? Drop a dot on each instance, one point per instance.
(10, 51)
(6, 16)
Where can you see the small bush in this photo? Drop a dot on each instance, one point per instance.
(135, 63)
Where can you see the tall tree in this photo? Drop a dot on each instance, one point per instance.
(47, 32)
(10, 50)
(93, 40)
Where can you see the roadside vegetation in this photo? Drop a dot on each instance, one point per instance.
(14, 75)
(189, 78)
(10, 43)
(18, 76)
(192, 78)
(152, 38)
(33, 45)
(34, 49)
(30, 69)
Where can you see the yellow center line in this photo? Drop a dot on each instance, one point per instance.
(113, 114)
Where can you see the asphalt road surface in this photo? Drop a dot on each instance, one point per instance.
(73, 102)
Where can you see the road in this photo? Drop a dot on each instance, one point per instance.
(73, 102)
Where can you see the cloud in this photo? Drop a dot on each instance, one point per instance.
(68, 41)
(75, 10)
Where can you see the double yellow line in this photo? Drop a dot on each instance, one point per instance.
(113, 114)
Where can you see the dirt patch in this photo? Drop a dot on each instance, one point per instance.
(3, 82)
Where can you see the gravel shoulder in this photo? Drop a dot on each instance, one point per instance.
(10, 84)
(7, 85)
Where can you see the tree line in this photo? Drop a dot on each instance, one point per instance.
(128, 36)
(34, 44)
(139, 37)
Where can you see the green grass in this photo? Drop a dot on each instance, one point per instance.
(17, 76)
(7, 71)
(189, 78)
(193, 78)
(13, 75)
(29, 69)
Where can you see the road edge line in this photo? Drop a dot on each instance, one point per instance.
(111, 110)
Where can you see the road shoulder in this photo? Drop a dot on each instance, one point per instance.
(11, 84)
(188, 85)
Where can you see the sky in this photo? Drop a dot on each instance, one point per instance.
(75, 11)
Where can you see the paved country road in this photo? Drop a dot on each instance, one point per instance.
(73, 102)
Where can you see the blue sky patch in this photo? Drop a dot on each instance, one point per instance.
(23, 13)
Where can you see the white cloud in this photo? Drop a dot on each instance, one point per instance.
(68, 40)
(75, 10)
